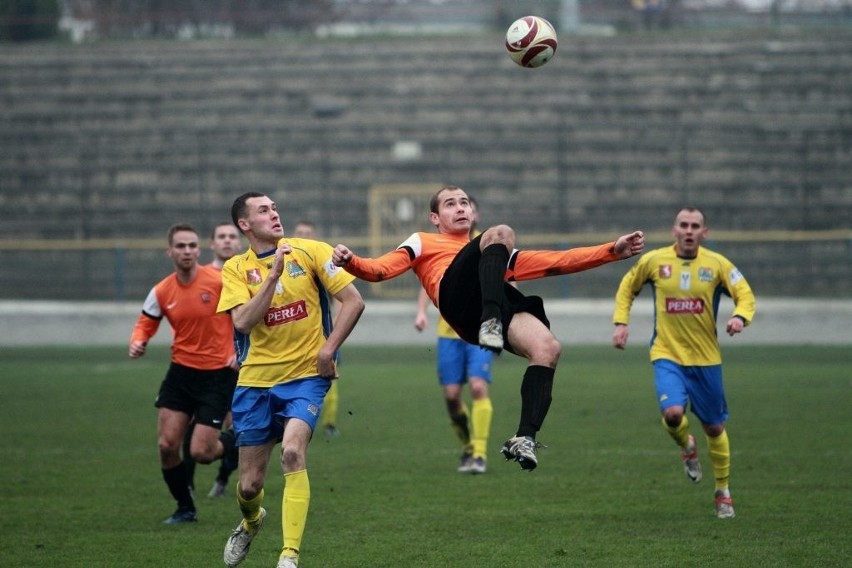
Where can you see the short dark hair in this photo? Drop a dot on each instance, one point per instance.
(217, 225)
(693, 209)
(238, 209)
(433, 203)
(177, 227)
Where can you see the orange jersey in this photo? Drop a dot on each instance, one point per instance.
(202, 339)
(430, 254)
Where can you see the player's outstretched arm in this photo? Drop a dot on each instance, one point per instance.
(341, 256)
(629, 245)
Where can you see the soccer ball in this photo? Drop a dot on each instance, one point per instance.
(531, 41)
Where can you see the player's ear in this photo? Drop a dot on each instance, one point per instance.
(434, 219)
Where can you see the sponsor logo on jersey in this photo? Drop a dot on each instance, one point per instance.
(280, 315)
(684, 306)
(705, 274)
(665, 271)
(253, 277)
(293, 269)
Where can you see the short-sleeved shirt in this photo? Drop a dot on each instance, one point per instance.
(284, 345)
(202, 338)
(686, 292)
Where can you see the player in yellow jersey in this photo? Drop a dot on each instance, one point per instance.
(468, 281)
(461, 363)
(277, 293)
(687, 282)
(328, 418)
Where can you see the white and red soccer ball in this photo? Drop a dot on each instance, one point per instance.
(531, 41)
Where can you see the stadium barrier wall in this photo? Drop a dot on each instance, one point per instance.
(575, 322)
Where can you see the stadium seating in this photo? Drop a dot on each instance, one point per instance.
(119, 140)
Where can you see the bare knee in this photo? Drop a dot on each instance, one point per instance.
(250, 486)
(498, 234)
(673, 416)
(714, 430)
(478, 389)
(292, 459)
(546, 352)
(169, 450)
(205, 454)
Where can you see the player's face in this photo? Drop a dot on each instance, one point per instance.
(455, 214)
(262, 220)
(184, 250)
(303, 231)
(689, 231)
(225, 242)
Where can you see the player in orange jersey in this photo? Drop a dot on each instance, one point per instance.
(225, 242)
(200, 380)
(468, 281)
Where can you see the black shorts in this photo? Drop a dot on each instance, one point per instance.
(460, 297)
(205, 395)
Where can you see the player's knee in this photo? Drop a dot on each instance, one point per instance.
(250, 487)
(499, 234)
(292, 459)
(547, 351)
(673, 416)
(204, 455)
(168, 447)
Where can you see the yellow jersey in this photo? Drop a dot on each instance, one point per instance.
(686, 302)
(284, 345)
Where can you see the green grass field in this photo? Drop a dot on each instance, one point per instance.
(81, 486)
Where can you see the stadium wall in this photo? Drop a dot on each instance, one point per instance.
(575, 322)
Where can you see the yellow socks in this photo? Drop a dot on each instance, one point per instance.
(250, 509)
(481, 423)
(329, 406)
(680, 434)
(720, 456)
(294, 512)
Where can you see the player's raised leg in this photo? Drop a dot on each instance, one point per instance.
(530, 338)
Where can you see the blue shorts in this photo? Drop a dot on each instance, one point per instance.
(701, 387)
(458, 360)
(259, 413)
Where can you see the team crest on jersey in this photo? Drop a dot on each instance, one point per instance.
(665, 271)
(293, 269)
(206, 297)
(313, 409)
(253, 277)
(705, 274)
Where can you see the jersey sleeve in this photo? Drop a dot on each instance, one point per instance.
(234, 289)
(149, 320)
(629, 287)
(534, 264)
(741, 293)
(333, 278)
(385, 267)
